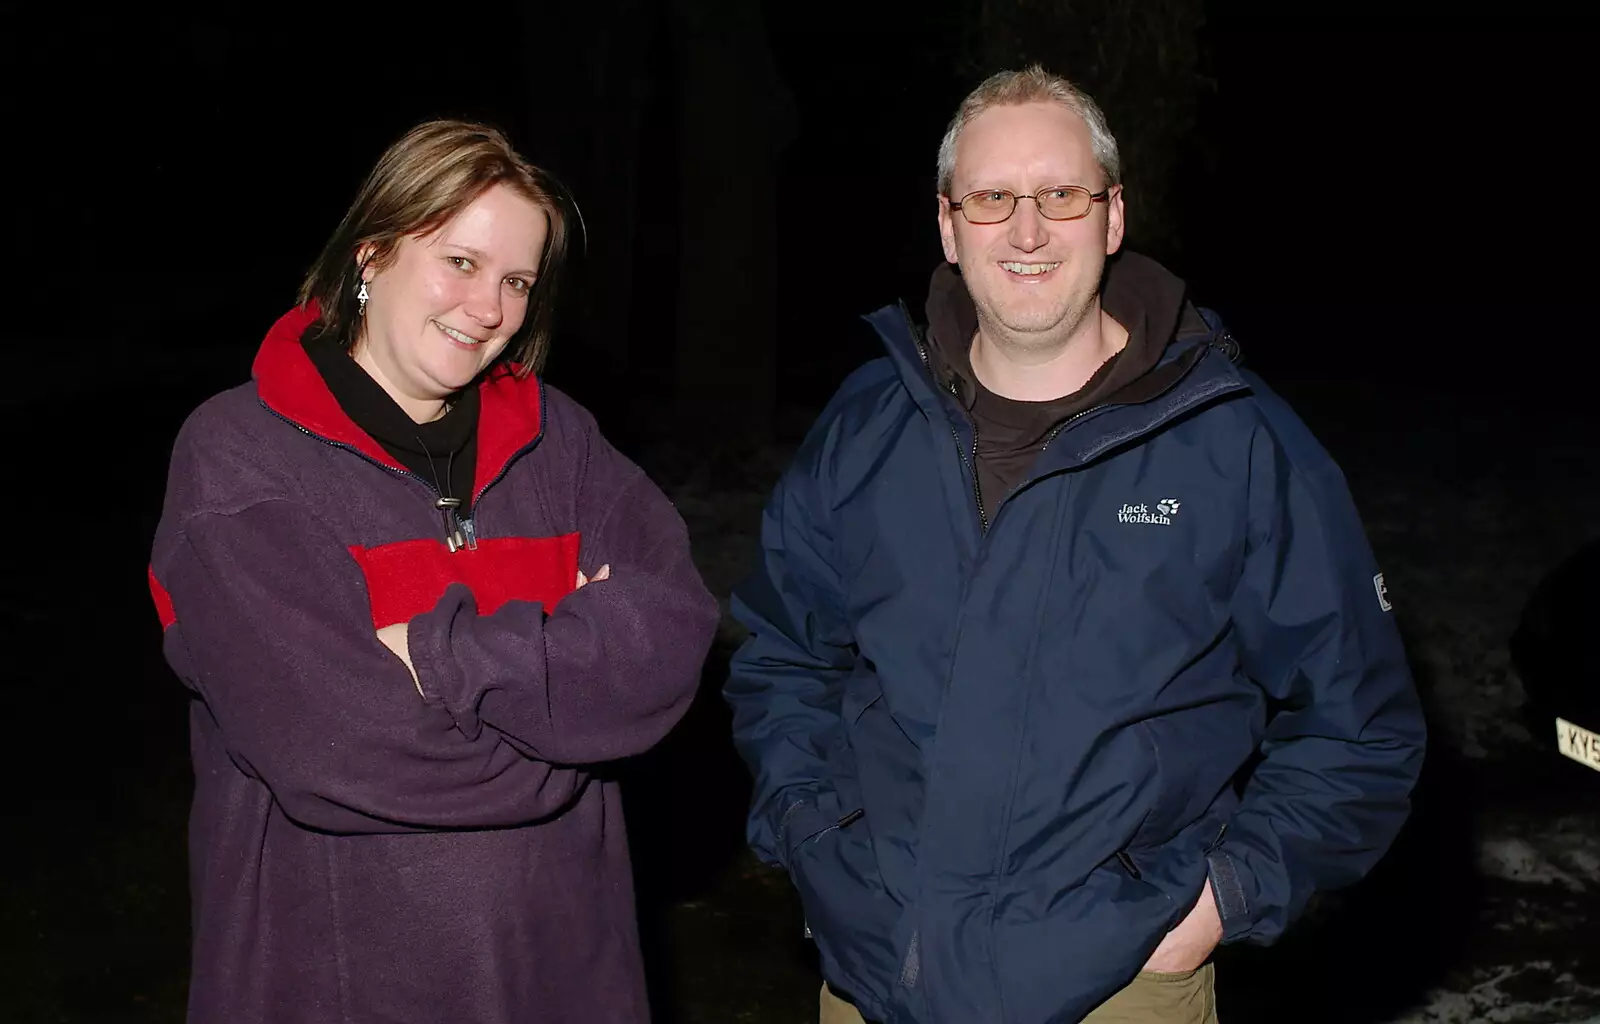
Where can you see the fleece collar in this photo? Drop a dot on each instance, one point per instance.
(510, 419)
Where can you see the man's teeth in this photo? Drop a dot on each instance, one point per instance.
(465, 339)
(1031, 269)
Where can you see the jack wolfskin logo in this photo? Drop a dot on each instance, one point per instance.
(1166, 508)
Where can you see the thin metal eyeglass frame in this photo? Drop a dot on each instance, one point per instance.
(1094, 197)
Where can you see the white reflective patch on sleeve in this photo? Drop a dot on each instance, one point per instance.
(1383, 593)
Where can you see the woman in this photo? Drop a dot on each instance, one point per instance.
(419, 598)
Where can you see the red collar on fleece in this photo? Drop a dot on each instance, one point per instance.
(288, 382)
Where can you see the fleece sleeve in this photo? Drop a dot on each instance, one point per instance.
(272, 629)
(613, 666)
(271, 624)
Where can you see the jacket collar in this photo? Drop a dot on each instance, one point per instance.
(1208, 373)
(288, 384)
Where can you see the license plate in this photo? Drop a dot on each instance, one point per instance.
(1578, 743)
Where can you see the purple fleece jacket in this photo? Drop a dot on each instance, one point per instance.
(362, 853)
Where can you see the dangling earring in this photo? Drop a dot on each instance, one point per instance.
(361, 299)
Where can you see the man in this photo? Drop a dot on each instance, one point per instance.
(1039, 589)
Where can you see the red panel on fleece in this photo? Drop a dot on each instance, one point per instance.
(510, 418)
(164, 610)
(407, 578)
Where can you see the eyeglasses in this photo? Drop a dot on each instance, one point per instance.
(1058, 202)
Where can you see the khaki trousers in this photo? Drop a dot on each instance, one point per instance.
(1188, 998)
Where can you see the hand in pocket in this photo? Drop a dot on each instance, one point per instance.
(1191, 943)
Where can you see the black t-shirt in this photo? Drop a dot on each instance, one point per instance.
(443, 452)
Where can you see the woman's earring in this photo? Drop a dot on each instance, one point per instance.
(361, 299)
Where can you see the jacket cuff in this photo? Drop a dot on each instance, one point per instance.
(1228, 889)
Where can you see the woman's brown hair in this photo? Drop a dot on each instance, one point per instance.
(420, 182)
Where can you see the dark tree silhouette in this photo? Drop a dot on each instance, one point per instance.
(733, 117)
(1146, 64)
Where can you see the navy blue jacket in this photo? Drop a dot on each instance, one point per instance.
(1000, 764)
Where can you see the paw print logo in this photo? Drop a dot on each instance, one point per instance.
(1168, 506)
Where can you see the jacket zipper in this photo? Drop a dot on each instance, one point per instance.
(972, 468)
(971, 463)
(1064, 424)
(1070, 420)
(1223, 342)
(458, 532)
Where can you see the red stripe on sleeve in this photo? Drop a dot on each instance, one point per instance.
(163, 600)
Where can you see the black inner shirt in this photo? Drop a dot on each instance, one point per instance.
(444, 452)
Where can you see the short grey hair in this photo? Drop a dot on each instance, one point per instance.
(1032, 84)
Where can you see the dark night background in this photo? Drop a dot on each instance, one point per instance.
(1389, 207)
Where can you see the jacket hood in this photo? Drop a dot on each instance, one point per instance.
(1139, 293)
